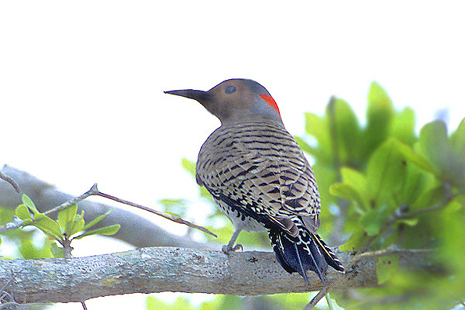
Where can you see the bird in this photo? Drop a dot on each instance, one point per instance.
(259, 177)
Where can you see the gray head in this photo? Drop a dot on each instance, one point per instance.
(234, 99)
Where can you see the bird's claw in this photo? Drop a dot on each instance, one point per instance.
(227, 248)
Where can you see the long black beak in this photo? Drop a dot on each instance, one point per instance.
(198, 95)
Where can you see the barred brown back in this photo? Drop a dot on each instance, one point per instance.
(259, 165)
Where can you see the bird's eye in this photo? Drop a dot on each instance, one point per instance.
(229, 89)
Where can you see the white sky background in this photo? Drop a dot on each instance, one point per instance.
(81, 82)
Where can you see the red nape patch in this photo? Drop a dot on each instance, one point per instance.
(271, 102)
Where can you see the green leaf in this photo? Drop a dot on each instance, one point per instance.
(457, 144)
(188, 165)
(332, 304)
(358, 181)
(30, 250)
(318, 128)
(205, 194)
(70, 222)
(372, 220)
(307, 148)
(345, 132)
(403, 126)
(417, 159)
(429, 198)
(457, 138)
(386, 267)
(57, 252)
(174, 206)
(66, 216)
(22, 211)
(380, 112)
(97, 219)
(29, 203)
(445, 155)
(416, 183)
(386, 171)
(433, 144)
(355, 242)
(104, 231)
(228, 302)
(455, 205)
(418, 177)
(409, 222)
(27, 222)
(75, 226)
(452, 238)
(347, 192)
(79, 217)
(325, 176)
(48, 226)
(153, 303)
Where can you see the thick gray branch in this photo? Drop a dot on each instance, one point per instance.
(135, 230)
(152, 270)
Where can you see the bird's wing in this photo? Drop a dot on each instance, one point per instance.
(285, 181)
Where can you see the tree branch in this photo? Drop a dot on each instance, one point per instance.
(10, 180)
(316, 299)
(153, 270)
(136, 230)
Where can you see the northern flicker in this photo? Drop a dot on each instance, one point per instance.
(259, 177)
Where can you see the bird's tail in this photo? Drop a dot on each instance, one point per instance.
(306, 251)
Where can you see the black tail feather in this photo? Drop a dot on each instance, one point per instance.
(299, 253)
(329, 256)
(304, 252)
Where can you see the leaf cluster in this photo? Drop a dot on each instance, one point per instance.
(68, 226)
(385, 185)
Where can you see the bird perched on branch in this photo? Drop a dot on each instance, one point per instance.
(259, 177)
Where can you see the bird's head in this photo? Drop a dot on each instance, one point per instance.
(234, 99)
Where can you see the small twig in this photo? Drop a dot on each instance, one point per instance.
(11, 302)
(11, 181)
(164, 215)
(10, 305)
(401, 213)
(317, 298)
(8, 283)
(94, 191)
(67, 248)
(83, 305)
(398, 214)
(15, 223)
(392, 249)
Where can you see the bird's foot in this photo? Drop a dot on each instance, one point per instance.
(227, 248)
